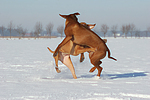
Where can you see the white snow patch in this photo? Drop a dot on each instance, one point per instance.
(144, 96)
(27, 72)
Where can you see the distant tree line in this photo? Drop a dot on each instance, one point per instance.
(38, 30)
(125, 31)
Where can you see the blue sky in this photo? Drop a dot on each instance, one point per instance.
(110, 12)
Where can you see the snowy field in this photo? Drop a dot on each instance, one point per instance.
(27, 72)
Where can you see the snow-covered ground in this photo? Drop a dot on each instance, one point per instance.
(27, 72)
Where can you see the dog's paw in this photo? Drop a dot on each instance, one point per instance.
(58, 71)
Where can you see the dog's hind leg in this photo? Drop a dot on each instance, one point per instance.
(57, 69)
(92, 69)
(68, 63)
(56, 62)
(95, 60)
(99, 68)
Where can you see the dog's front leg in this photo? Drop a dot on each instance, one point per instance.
(82, 57)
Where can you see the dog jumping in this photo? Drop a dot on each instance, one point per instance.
(80, 35)
(71, 48)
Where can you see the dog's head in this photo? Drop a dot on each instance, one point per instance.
(70, 16)
(88, 26)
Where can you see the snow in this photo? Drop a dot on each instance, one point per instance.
(27, 72)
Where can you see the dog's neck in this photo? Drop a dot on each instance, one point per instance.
(66, 23)
(70, 22)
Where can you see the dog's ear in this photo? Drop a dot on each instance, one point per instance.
(64, 16)
(76, 13)
(91, 26)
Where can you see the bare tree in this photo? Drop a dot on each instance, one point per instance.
(38, 29)
(132, 29)
(19, 29)
(31, 33)
(142, 33)
(114, 30)
(49, 29)
(127, 29)
(10, 27)
(60, 30)
(2, 29)
(24, 32)
(148, 31)
(123, 29)
(104, 29)
(137, 33)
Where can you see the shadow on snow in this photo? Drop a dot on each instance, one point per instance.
(127, 75)
(103, 76)
(116, 76)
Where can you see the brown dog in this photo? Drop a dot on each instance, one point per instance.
(80, 35)
(64, 55)
(71, 48)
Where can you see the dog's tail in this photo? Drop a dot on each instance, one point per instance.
(50, 50)
(109, 55)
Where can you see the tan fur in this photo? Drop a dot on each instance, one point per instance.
(67, 48)
(71, 48)
(77, 33)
